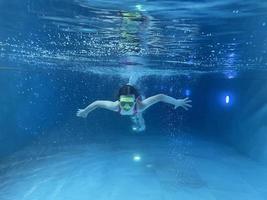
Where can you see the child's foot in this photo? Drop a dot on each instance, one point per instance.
(138, 127)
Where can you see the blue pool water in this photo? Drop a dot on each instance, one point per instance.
(59, 56)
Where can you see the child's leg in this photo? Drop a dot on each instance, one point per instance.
(138, 122)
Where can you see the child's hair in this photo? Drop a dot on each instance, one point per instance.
(128, 90)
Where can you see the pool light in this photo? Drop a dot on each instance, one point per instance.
(136, 158)
(187, 92)
(227, 99)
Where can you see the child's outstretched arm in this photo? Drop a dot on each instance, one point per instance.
(109, 105)
(184, 103)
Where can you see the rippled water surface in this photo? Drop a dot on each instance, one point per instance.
(148, 37)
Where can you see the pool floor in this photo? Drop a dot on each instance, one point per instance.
(133, 167)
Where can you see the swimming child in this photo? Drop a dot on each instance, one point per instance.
(130, 103)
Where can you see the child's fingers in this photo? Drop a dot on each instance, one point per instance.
(184, 107)
(188, 105)
(78, 113)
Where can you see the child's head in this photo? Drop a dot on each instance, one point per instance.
(127, 96)
(128, 90)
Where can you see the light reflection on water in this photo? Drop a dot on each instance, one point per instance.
(149, 38)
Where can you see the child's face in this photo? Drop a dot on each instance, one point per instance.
(127, 102)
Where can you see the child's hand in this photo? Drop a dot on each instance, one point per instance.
(81, 113)
(184, 103)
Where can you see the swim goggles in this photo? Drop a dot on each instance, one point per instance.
(127, 102)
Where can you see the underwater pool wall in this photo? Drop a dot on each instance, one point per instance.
(11, 138)
(249, 132)
(242, 123)
(29, 107)
(35, 103)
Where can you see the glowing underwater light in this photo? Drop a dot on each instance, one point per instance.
(187, 92)
(137, 158)
(227, 99)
